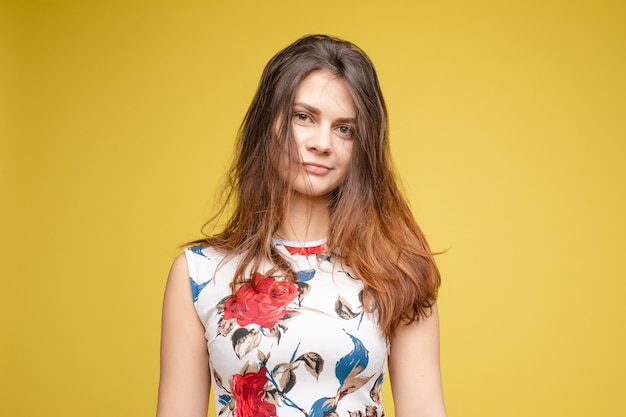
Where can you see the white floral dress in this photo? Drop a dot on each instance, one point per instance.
(289, 349)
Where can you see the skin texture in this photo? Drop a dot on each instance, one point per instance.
(185, 382)
(414, 369)
(322, 120)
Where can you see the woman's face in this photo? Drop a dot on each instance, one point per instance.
(323, 120)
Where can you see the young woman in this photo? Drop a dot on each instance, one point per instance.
(321, 278)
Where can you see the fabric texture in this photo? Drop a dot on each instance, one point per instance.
(289, 349)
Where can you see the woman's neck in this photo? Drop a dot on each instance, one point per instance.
(307, 219)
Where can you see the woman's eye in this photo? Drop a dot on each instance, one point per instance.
(303, 117)
(345, 130)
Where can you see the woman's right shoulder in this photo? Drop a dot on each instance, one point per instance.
(202, 254)
(205, 264)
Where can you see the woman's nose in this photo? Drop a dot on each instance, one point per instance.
(320, 141)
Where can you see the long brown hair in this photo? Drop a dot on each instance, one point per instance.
(371, 226)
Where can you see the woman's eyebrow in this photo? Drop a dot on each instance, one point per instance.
(307, 107)
(316, 111)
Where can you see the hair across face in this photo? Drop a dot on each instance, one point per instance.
(322, 119)
(276, 95)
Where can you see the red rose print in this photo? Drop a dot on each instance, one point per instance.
(264, 306)
(249, 392)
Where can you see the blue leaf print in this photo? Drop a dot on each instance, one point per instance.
(293, 356)
(198, 251)
(224, 399)
(304, 276)
(197, 288)
(323, 257)
(353, 363)
(323, 407)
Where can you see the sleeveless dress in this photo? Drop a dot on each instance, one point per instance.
(289, 349)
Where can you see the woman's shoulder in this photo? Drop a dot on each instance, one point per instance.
(203, 256)
(199, 249)
(205, 262)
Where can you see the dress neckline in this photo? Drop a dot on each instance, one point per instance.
(299, 244)
(294, 247)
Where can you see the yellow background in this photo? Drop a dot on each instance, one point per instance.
(507, 126)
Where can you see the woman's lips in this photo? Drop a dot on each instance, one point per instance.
(316, 169)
